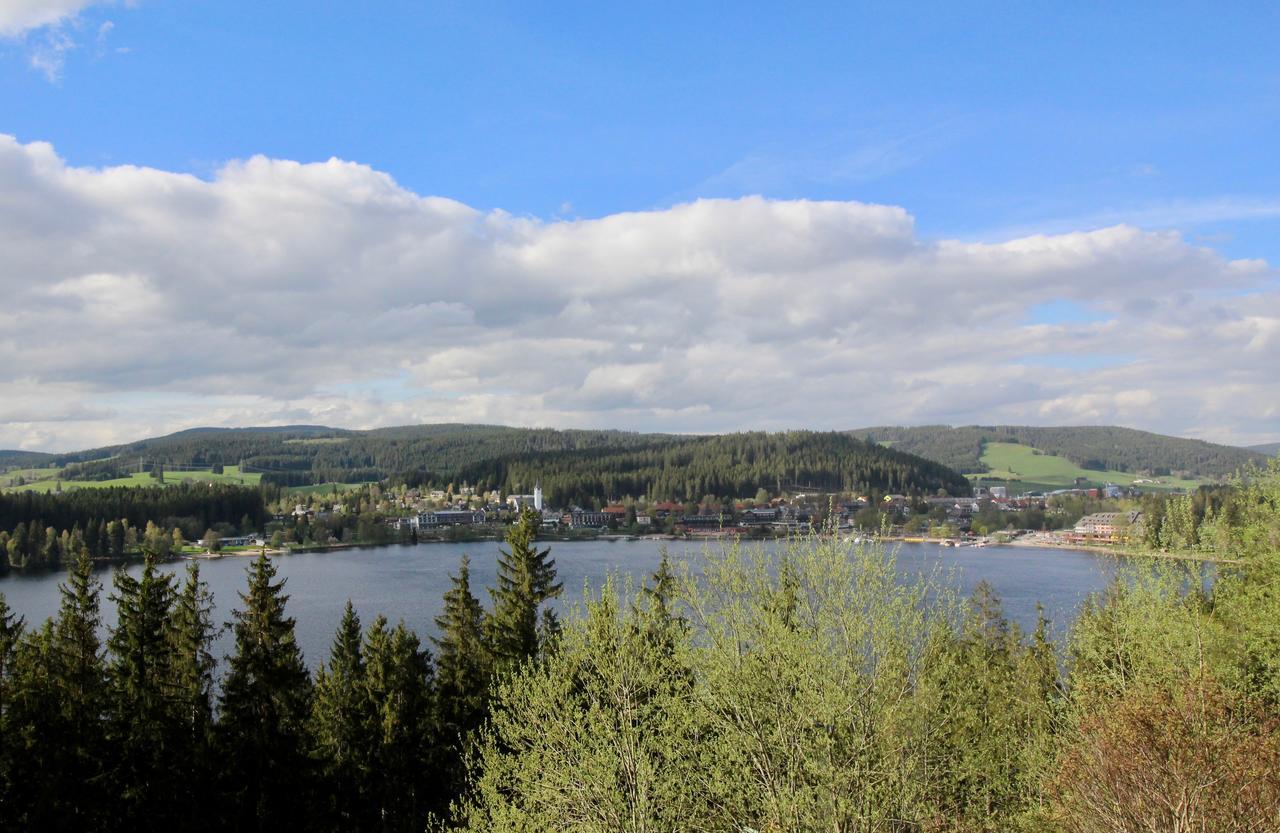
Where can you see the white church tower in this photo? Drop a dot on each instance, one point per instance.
(537, 496)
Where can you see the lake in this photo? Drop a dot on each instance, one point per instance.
(408, 582)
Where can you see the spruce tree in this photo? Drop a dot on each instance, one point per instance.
(266, 702)
(401, 695)
(192, 634)
(342, 725)
(526, 581)
(11, 628)
(463, 672)
(462, 658)
(142, 716)
(72, 736)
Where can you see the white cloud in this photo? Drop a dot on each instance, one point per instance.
(19, 16)
(285, 292)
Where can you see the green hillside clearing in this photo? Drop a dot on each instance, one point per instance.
(47, 480)
(1028, 469)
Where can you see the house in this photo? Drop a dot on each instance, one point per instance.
(1111, 527)
(447, 517)
(760, 515)
(667, 508)
(584, 519)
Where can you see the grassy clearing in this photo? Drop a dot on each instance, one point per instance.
(325, 488)
(50, 480)
(1030, 469)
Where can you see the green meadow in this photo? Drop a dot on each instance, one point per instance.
(48, 480)
(1028, 469)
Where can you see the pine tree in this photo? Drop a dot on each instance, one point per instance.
(400, 690)
(462, 675)
(526, 581)
(265, 707)
(341, 725)
(142, 716)
(11, 628)
(192, 635)
(76, 676)
(462, 661)
(662, 625)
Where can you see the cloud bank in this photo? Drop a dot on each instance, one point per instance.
(138, 301)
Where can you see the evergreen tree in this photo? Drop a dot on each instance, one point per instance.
(341, 725)
(400, 690)
(192, 665)
(142, 717)
(11, 628)
(526, 581)
(60, 703)
(462, 675)
(462, 661)
(265, 707)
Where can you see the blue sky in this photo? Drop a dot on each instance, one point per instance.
(985, 122)
(983, 119)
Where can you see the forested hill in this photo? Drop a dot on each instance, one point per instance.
(23, 459)
(306, 454)
(1090, 447)
(721, 465)
(572, 465)
(1269, 449)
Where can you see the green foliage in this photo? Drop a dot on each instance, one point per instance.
(521, 624)
(265, 706)
(812, 693)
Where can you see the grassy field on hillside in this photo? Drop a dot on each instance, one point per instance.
(1027, 469)
(47, 480)
(324, 488)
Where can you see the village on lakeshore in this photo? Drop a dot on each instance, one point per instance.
(990, 516)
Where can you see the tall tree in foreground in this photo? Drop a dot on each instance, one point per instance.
(342, 726)
(462, 661)
(11, 628)
(526, 581)
(265, 706)
(400, 690)
(462, 675)
(55, 714)
(192, 634)
(142, 719)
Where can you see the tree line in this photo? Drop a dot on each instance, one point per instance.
(42, 531)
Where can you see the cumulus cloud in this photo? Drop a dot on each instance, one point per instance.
(19, 16)
(282, 292)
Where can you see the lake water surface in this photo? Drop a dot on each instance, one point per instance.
(409, 582)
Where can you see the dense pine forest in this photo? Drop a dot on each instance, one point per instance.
(1092, 447)
(42, 531)
(729, 464)
(810, 690)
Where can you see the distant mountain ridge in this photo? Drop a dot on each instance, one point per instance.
(1090, 447)
(1269, 449)
(571, 464)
